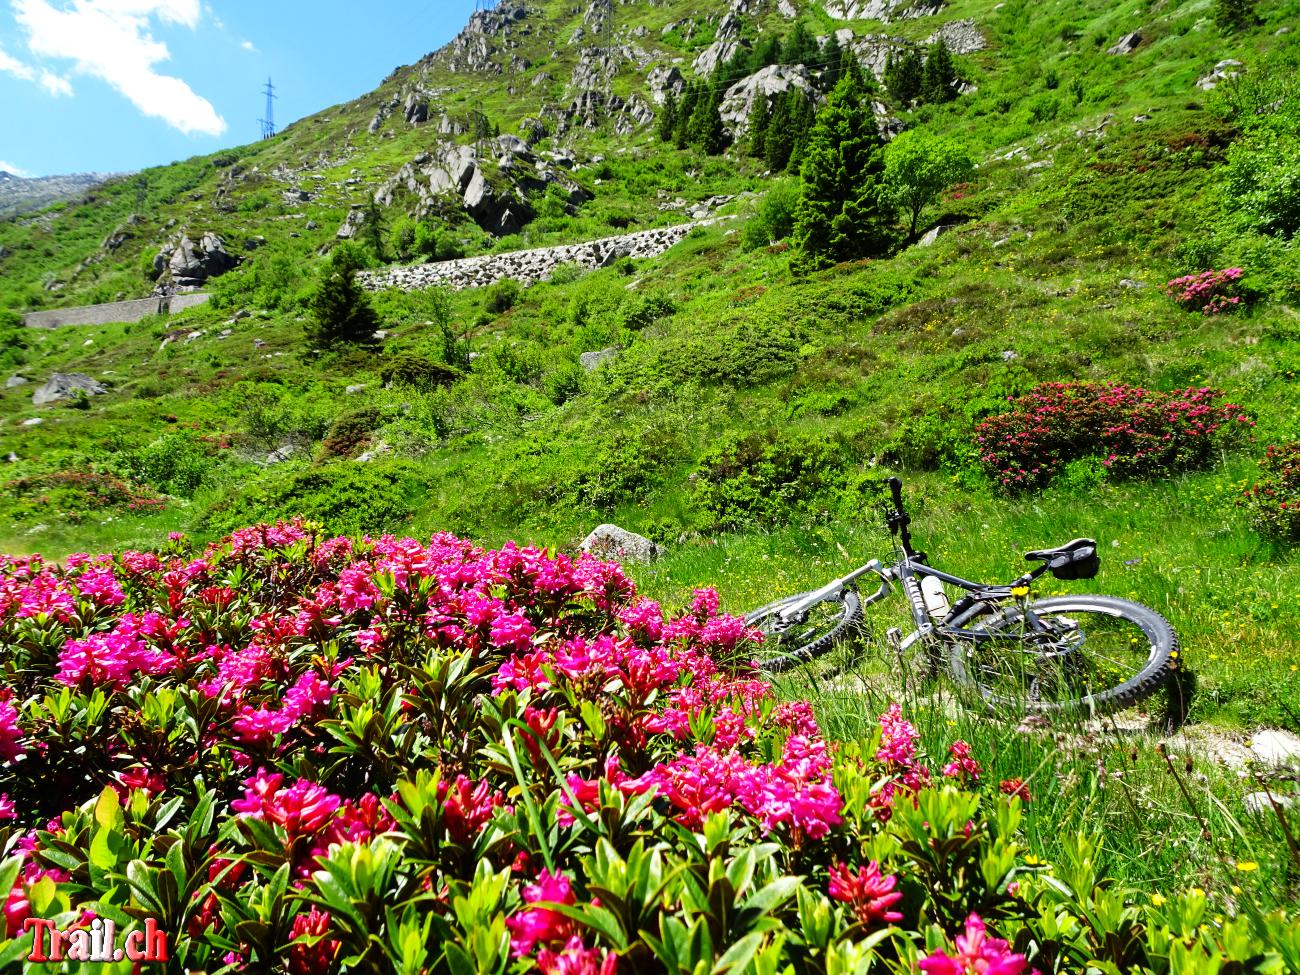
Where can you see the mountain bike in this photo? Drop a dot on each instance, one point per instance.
(1086, 652)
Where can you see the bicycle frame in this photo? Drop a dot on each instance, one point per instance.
(908, 571)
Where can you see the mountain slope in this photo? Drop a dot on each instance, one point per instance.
(20, 195)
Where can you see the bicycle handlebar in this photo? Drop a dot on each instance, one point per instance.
(898, 518)
(896, 491)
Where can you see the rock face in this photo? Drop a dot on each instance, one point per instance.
(527, 267)
(487, 33)
(961, 36)
(612, 542)
(64, 386)
(767, 83)
(186, 265)
(663, 81)
(717, 53)
(882, 10)
(1126, 44)
(455, 174)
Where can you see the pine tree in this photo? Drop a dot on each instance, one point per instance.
(904, 75)
(668, 118)
(767, 52)
(843, 213)
(802, 117)
(939, 77)
(685, 110)
(833, 58)
(800, 46)
(759, 117)
(704, 130)
(780, 138)
(339, 310)
(1234, 15)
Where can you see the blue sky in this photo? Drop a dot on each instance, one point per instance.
(117, 85)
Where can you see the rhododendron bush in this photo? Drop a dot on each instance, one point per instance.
(313, 755)
(1131, 431)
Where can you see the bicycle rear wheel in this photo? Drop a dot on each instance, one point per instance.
(789, 644)
(1067, 653)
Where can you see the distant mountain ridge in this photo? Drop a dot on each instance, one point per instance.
(19, 194)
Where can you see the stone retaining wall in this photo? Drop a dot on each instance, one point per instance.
(529, 266)
(115, 311)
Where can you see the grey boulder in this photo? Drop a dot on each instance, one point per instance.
(64, 386)
(612, 542)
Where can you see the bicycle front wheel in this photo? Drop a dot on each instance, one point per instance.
(1067, 653)
(788, 644)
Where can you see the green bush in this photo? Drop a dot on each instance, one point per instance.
(501, 297)
(774, 219)
(13, 339)
(564, 382)
(410, 369)
(350, 433)
(176, 463)
(767, 478)
(346, 497)
(643, 310)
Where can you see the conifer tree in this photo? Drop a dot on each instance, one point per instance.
(685, 110)
(759, 117)
(1234, 15)
(767, 52)
(339, 310)
(668, 118)
(780, 137)
(843, 213)
(800, 46)
(939, 77)
(833, 59)
(904, 75)
(802, 116)
(705, 130)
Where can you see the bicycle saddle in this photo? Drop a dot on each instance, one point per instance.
(1075, 550)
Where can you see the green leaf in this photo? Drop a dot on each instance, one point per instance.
(108, 809)
(739, 954)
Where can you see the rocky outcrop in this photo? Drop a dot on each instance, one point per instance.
(488, 33)
(591, 361)
(612, 542)
(1126, 44)
(961, 36)
(527, 267)
(663, 81)
(766, 83)
(882, 10)
(64, 386)
(872, 50)
(185, 265)
(717, 53)
(415, 110)
(455, 174)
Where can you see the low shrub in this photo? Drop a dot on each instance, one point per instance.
(1209, 292)
(1273, 501)
(176, 463)
(350, 433)
(501, 297)
(643, 310)
(1135, 432)
(767, 478)
(410, 369)
(344, 496)
(72, 497)
(313, 755)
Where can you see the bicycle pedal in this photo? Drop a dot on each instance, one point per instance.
(895, 637)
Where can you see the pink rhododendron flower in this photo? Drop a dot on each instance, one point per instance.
(542, 924)
(577, 959)
(869, 894)
(10, 734)
(311, 959)
(962, 765)
(467, 807)
(977, 954)
(898, 738)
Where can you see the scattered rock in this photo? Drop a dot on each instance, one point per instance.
(13, 381)
(1222, 72)
(380, 449)
(882, 10)
(1275, 747)
(11, 458)
(353, 390)
(1010, 355)
(35, 421)
(283, 453)
(593, 360)
(1126, 44)
(1139, 119)
(665, 80)
(612, 542)
(186, 265)
(64, 386)
(961, 36)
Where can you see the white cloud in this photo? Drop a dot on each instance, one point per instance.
(55, 85)
(11, 65)
(248, 46)
(111, 40)
(13, 170)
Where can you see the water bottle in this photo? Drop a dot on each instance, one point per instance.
(936, 600)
